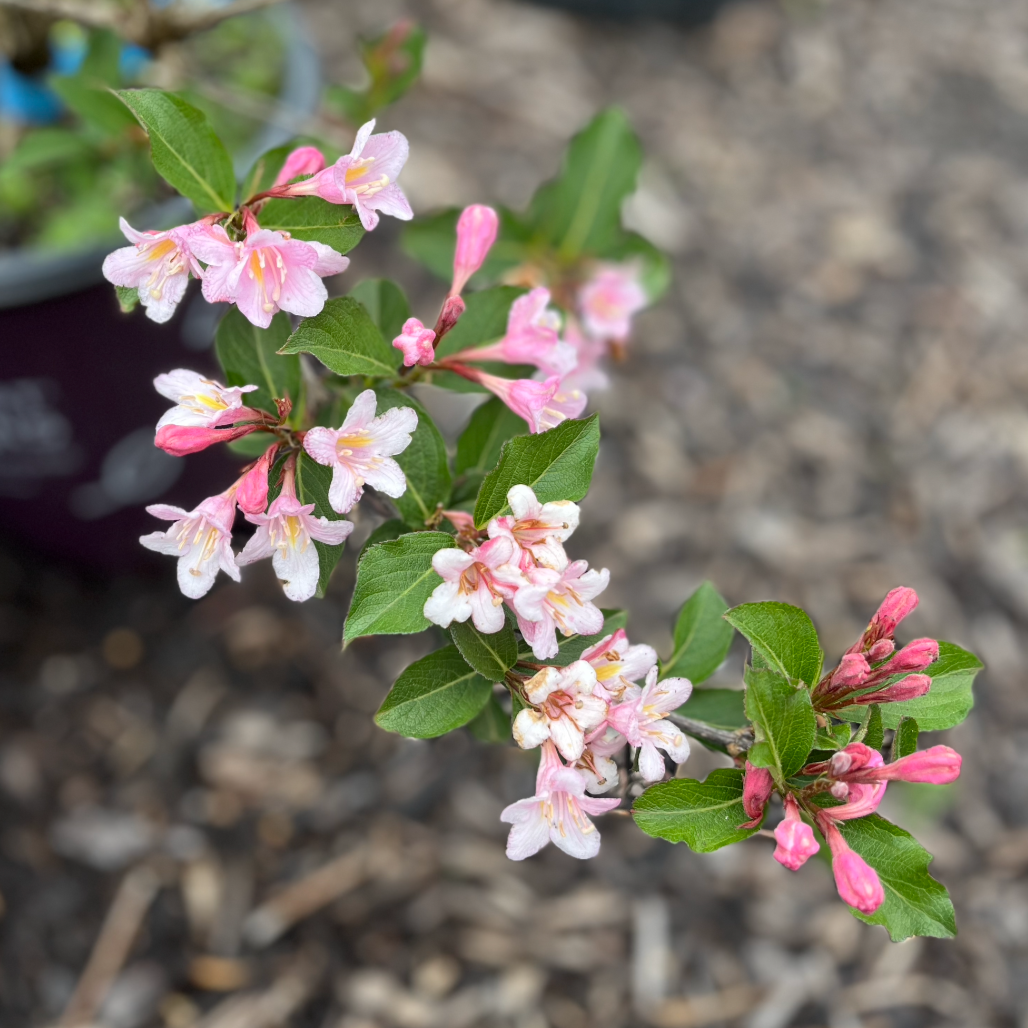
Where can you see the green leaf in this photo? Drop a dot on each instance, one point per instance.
(434, 696)
(491, 655)
(783, 720)
(314, 220)
(719, 708)
(388, 530)
(394, 579)
(571, 647)
(250, 446)
(491, 425)
(702, 637)
(261, 176)
(128, 298)
(557, 464)
(492, 725)
(945, 705)
(387, 304)
(249, 356)
(871, 732)
(94, 104)
(704, 815)
(424, 463)
(785, 637)
(905, 741)
(184, 149)
(915, 903)
(833, 738)
(580, 210)
(345, 339)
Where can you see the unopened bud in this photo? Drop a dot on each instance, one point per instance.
(757, 786)
(908, 688)
(252, 494)
(476, 233)
(856, 880)
(915, 656)
(795, 838)
(306, 160)
(180, 440)
(453, 308)
(840, 790)
(851, 672)
(939, 765)
(855, 756)
(880, 650)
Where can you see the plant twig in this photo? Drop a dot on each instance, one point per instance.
(735, 742)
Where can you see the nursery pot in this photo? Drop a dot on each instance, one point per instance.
(77, 404)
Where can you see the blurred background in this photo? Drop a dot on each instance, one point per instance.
(829, 402)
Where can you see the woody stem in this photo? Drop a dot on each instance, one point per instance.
(736, 742)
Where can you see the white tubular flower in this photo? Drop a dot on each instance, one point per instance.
(539, 528)
(618, 665)
(563, 709)
(474, 585)
(200, 402)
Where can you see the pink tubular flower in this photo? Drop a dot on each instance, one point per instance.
(541, 404)
(862, 797)
(894, 608)
(795, 838)
(563, 709)
(158, 265)
(909, 688)
(180, 441)
(267, 272)
(551, 599)
(305, 160)
(642, 721)
(252, 494)
(938, 765)
(856, 880)
(618, 665)
(285, 534)
(539, 528)
(558, 813)
(757, 786)
(416, 343)
(201, 539)
(201, 402)
(474, 585)
(476, 233)
(607, 301)
(360, 451)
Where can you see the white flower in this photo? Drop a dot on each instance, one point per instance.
(539, 528)
(200, 402)
(563, 709)
(474, 585)
(618, 665)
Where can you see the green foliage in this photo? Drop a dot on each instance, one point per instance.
(394, 579)
(783, 720)
(871, 732)
(571, 647)
(783, 635)
(915, 903)
(128, 298)
(345, 339)
(905, 741)
(491, 425)
(719, 708)
(314, 220)
(184, 149)
(484, 320)
(433, 696)
(492, 725)
(557, 464)
(249, 356)
(705, 815)
(386, 302)
(490, 655)
(702, 637)
(388, 530)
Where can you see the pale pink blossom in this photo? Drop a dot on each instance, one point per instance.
(552, 599)
(157, 265)
(474, 585)
(607, 301)
(539, 528)
(201, 401)
(201, 539)
(642, 720)
(795, 838)
(360, 451)
(416, 342)
(542, 404)
(558, 812)
(565, 403)
(252, 494)
(286, 534)
(619, 664)
(563, 709)
(304, 160)
(757, 786)
(856, 880)
(587, 374)
(476, 233)
(181, 440)
(267, 272)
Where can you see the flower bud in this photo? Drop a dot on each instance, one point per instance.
(880, 650)
(416, 342)
(179, 440)
(908, 688)
(840, 790)
(855, 756)
(306, 160)
(853, 669)
(453, 308)
(795, 838)
(757, 786)
(939, 765)
(252, 494)
(915, 656)
(476, 233)
(856, 880)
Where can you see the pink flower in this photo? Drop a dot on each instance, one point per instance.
(416, 342)
(180, 441)
(795, 838)
(915, 656)
(360, 451)
(541, 404)
(552, 599)
(938, 765)
(365, 177)
(596, 764)
(607, 301)
(618, 665)
(305, 160)
(200, 401)
(252, 494)
(642, 721)
(285, 534)
(757, 786)
(861, 799)
(563, 709)
(856, 880)
(158, 265)
(267, 272)
(909, 688)
(894, 608)
(474, 585)
(201, 539)
(539, 528)
(476, 233)
(558, 813)
(587, 374)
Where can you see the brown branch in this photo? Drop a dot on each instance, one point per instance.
(736, 742)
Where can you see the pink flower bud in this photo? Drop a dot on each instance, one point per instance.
(252, 494)
(476, 233)
(840, 790)
(915, 656)
(908, 688)
(305, 160)
(880, 650)
(939, 765)
(853, 669)
(855, 756)
(894, 608)
(460, 520)
(179, 440)
(416, 342)
(757, 786)
(856, 880)
(453, 308)
(796, 842)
